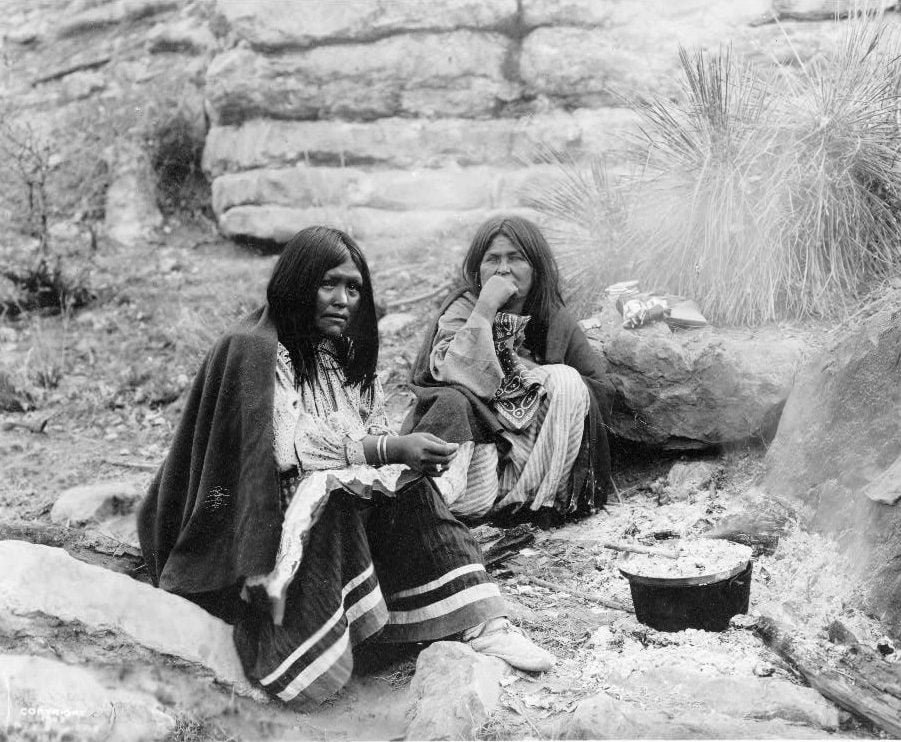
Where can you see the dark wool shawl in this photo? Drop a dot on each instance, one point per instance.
(455, 414)
(212, 515)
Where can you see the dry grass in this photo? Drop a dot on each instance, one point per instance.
(762, 196)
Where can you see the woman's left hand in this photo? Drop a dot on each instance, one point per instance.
(422, 452)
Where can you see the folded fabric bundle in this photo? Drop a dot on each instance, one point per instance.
(685, 315)
(642, 309)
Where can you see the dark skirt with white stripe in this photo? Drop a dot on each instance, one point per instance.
(398, 569)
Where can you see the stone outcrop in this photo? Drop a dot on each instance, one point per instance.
(819, 10)
(458, 73)
(453, 692)
(391, 231)
(397, 143)
(265, 24)
(107, 609)
(837, 450)
(384, 86)
(691, 389)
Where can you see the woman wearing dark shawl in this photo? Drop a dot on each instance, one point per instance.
(506, 372)
(287, 506)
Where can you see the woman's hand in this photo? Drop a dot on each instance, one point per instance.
(496, 292)
(422, 452)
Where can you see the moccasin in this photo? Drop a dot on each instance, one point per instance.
(510, 644)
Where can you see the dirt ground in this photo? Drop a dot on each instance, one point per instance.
(106, 386)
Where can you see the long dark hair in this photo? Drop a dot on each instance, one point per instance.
(544, 296)
(291, 294)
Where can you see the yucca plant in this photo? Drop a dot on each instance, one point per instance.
(586, 212)
(762, 196)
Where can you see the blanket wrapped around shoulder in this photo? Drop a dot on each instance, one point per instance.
(211, 516)
(455, 414)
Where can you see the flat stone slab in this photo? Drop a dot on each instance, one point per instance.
(605, 717)
(46, 581)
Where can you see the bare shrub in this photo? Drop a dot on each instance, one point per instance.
(39, 275)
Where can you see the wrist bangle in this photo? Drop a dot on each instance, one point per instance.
(382, 449)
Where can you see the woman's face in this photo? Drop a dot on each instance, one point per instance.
(503, 258)
(338, 299)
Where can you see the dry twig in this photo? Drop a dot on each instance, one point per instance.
(578, 594)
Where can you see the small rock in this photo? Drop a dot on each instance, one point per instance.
(763, 670)
(12, 399)
(122, 528)
(169, 264)
(184, 36)
(885, 646)
(96, 502)
(80, 85)
(454, 690)
(9, 293)
(602, 638)
(686, 479)
(45, 695)
(519, 613)
(391, 324)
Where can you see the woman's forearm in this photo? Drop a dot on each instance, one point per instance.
(467, 357)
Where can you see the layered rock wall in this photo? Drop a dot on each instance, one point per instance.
(408, 123)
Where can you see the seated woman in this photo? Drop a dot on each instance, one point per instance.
(287, 506)
(507, 373)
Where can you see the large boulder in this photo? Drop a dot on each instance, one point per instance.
(46, 596)
(693, 389)
(837, 453)
(409, 143)
(459, 73)
(297, 24)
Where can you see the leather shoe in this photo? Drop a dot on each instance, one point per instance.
(502, 639)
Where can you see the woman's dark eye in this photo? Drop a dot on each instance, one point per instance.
(354, 288)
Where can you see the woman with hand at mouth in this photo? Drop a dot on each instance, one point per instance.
(288, 507)
(507, 373)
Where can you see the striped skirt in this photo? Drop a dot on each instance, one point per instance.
(536, 470)
(399, 569)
